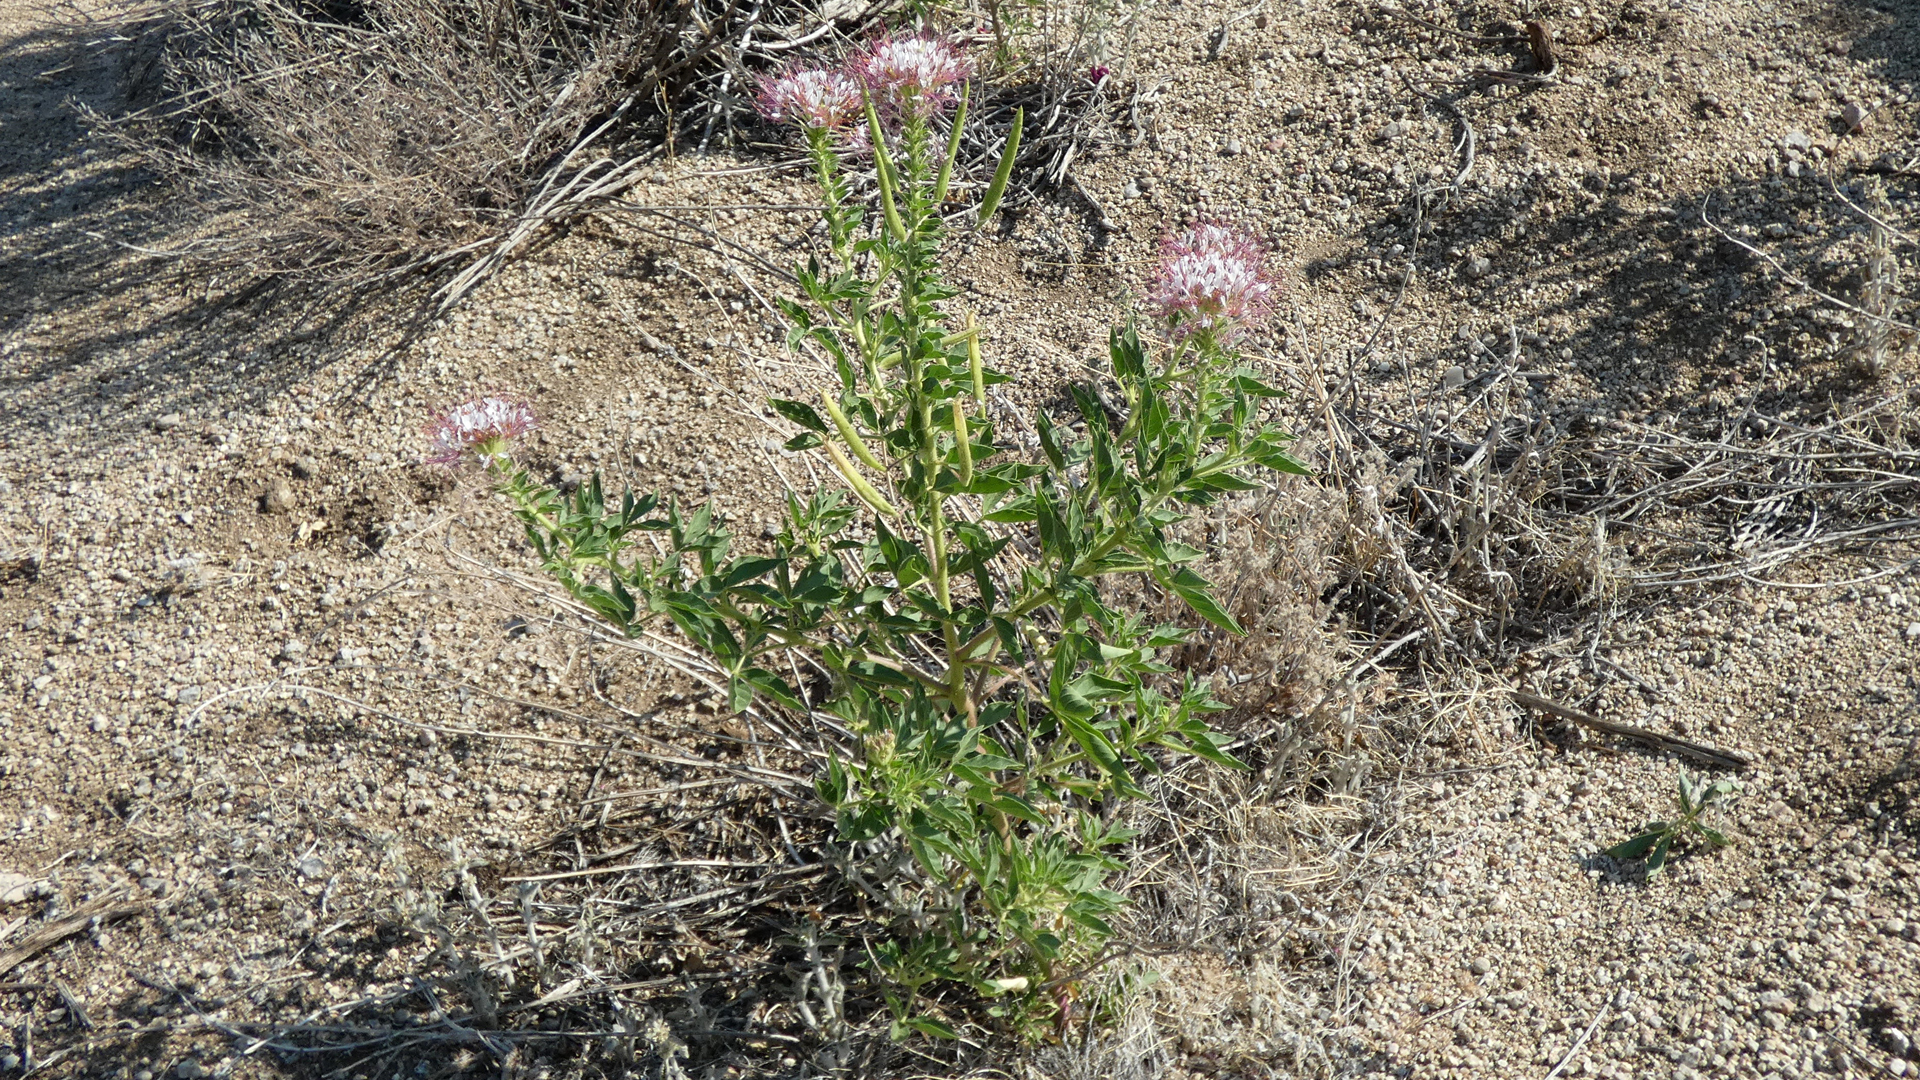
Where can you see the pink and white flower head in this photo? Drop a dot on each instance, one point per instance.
(483, 426)
(1212, 278)
(810, 97)
(914, 75)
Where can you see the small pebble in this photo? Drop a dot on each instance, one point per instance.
(278, 498)
(166, 421)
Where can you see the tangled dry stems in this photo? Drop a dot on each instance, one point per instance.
(341, 141)
(355, 144)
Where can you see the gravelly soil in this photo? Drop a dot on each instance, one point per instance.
(230, 598)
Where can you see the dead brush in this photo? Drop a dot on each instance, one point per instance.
(358, 144)
(1882, 293)
(341, 142)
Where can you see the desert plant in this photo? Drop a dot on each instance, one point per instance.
(1001, 706)
(1656, 840)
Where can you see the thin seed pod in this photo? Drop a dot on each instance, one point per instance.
(847, 432)
(1000, 175)
(961, 441)
(851, 474)
(973, 362)
(953, 150)
(883, 170)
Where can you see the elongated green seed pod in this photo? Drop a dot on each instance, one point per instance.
(973, 362)
(883, 169)
(847, 432)
(1000, 175)
(953, 151)
(851, 474)
(961, 441)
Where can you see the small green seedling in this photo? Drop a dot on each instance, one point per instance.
(1696, 798)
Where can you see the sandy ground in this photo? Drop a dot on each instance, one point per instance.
(232, 603)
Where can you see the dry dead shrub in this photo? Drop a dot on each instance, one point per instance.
(345, 140)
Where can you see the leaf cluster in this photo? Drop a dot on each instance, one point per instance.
(1655, 841)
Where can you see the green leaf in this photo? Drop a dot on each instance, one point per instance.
(928, 1026)
(776, 689)
(1205, 744)
(748, 569)
(832, 786)
(806, 440)
(1049, 444)
(998, 186)
(1198, 593)
(1100, 750)
(1711, 835)
(800, 413)
(1658, 858)
(1638, 847)
(1277, 459)
(1015, 806)
(1090, 921)
(739, 693)
(1247, 384)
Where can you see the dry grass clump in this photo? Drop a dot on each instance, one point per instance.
(344, 140)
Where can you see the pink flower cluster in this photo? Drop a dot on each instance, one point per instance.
(482, 426)
(912, 75)
(1212, 278)
(907, 76)
(810, 98)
